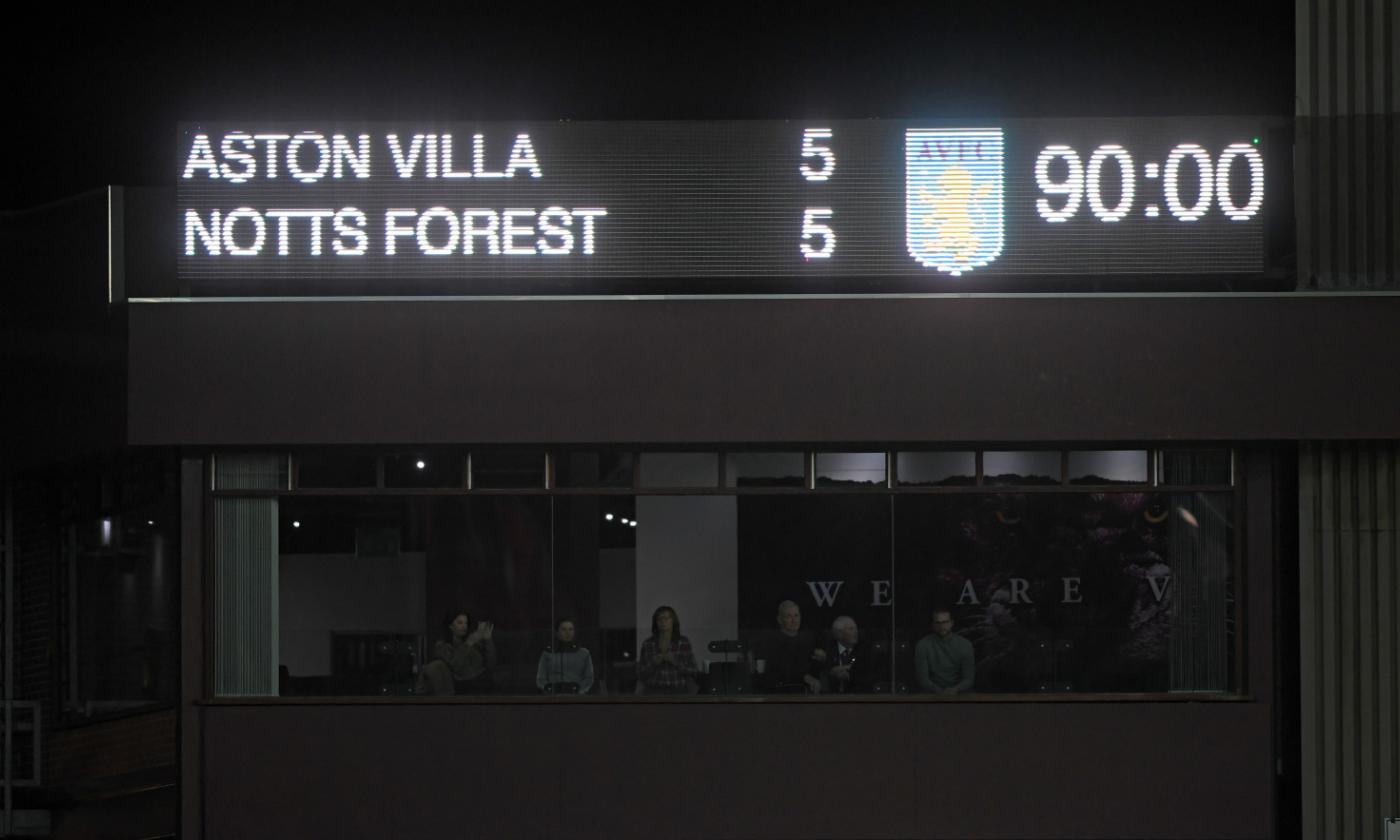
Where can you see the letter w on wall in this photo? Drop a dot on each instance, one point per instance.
(824, 591)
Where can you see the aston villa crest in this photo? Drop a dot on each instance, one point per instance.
(953, 190)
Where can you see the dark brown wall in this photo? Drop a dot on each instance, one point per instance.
(652, 371)
(953, 770)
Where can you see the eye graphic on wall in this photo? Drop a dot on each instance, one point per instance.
(1156, 512)
(1008, 517)
(1009, 510)
(954, 196)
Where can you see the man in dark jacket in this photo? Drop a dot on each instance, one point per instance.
(788, 660)
(852, 664)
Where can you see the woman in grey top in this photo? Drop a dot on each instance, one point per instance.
(565, 662)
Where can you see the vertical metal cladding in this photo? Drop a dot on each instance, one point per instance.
(1350, 637)
(1200, 549)
(245, 577)
(1347, 191)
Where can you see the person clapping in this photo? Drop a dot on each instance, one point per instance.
(666, 664)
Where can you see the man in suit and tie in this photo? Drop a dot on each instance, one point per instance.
(852, 666)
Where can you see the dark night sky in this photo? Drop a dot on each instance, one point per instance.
(94, 100)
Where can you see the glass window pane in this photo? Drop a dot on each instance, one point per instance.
(686, 561)
(916, 469)
(425, 468)
(126, 622)
(829, 556)
(368, 590)
(350, 595)
(1013, 468)
(594, 469)
(595, 592)
(1069, 591)
(1108, 467)
(765, 469)
(679, 469)
(318, 526)
(1195, 466)
(507, 469)
(1082, 592)
(846, 468)
(489, 556)
(335, 469)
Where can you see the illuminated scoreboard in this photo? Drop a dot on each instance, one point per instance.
(702, 207)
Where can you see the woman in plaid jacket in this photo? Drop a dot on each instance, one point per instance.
(666, 664)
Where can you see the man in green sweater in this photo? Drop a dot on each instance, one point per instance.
(943, 660)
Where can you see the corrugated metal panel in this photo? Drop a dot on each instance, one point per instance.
(1347, 188)
(245, 575)
(239, 471)
(1350, 637)
(1200, 541)
(245, 596)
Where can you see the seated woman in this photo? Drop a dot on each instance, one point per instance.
(666, 664)
(564, 663)
(460, 660)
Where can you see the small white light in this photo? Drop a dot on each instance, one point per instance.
(608, 516)
(422, 464)
(150, 522)
(296, 523)
(106, 532)
(633, 523)
(624, 520)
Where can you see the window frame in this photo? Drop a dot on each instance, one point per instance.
(1240, 691)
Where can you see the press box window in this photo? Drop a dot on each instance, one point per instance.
(1012, 469)
(335, 470)
(594, 469)
(765, 469)
(1108, 467)
(850, 469)
(679, 469)
(936, 469)
(426, 468)
(507, 470)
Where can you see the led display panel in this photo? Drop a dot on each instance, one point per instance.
(717, 207)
